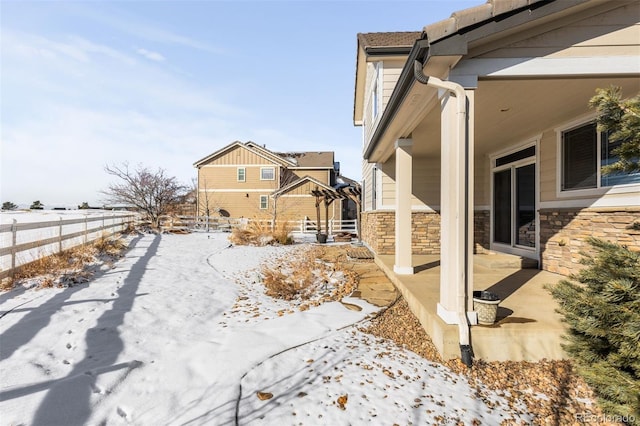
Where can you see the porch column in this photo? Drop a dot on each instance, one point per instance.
(456, 212)
(404, 174)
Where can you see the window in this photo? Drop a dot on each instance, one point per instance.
(242, 174)
(267, 173)
(264, 202)
(584, 152)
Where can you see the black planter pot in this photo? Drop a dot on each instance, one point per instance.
(321, 238)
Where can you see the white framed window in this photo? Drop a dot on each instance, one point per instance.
(264, 202)
(583, 152)
(267, 173)
(242, 174)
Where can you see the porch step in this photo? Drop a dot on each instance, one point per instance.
(494, 260)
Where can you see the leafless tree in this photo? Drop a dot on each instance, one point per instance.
(152, 193)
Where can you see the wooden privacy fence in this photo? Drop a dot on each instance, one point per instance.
(300, 226)
(25, 242)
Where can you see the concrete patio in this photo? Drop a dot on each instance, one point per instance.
(527, 327)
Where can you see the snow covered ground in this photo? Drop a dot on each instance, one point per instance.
(180, 332)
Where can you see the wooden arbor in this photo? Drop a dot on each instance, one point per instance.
(327, 197)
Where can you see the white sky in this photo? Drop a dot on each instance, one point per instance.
(84, 84)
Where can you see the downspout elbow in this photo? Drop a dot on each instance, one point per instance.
(456, 89)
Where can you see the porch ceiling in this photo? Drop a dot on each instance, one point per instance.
(511, 111)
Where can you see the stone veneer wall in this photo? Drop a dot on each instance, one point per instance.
(563, 233)
(378, 231)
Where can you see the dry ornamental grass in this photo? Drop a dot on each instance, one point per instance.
(69, 267)
(307, 277)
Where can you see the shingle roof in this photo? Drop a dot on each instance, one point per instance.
(475, 15)
(395, 39)
(309, 158)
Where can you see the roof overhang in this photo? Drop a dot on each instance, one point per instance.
(441, 47)
(371, 54)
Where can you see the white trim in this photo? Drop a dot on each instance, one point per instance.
(272, 168)
(513, 248)
(220, 152)
(452, 318)
(296, 195)
(264, 197)
(232, 190)
(619, 201)
(403, 270)
(244, 174)
(588, 193)
(537, 66)
(211, 166)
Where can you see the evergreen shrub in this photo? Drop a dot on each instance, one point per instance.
(602, 311)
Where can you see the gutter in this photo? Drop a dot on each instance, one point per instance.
(456, 44)
(461, 140)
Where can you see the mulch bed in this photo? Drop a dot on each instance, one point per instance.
(566, 394)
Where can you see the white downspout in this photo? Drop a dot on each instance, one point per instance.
(461, 114)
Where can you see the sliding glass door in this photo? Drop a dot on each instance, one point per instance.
(514, 203)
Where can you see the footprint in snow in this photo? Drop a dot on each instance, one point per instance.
(122, 413)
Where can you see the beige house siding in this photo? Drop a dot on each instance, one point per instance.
(235, 204)
(237, 156)
(366, 194)
(390, 73)
(319, 175)
(613, 33)
(547, 156)
(425, 183)
(298, 207)
(226, 177)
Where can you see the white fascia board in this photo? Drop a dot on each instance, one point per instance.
(521, 67)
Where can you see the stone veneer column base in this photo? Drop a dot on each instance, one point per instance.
(378, 231)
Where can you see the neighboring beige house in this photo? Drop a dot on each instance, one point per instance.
(504, 85)
(246, 180)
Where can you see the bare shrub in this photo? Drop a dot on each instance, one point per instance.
(306, 276)
(258, 232)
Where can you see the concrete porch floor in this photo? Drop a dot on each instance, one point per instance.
(527, 326)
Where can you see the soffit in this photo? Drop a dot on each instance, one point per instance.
(508, 112)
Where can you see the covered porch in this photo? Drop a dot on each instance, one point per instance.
(527, 327)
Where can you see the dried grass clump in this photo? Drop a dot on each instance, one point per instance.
(109, 246)
(308, 277)
(68, 267)
(258, 232)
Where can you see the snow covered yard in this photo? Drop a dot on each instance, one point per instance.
(181, 332)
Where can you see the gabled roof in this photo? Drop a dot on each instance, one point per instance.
(273, 155)
(380, 45)
(404, 39)
(310, 159)
(299, 182)
(251, 146)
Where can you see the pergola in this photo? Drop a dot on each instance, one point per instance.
(327, 197)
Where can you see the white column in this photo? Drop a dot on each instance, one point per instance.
(456, 209)
(473, 316)
(452, 212)
(403, 264)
